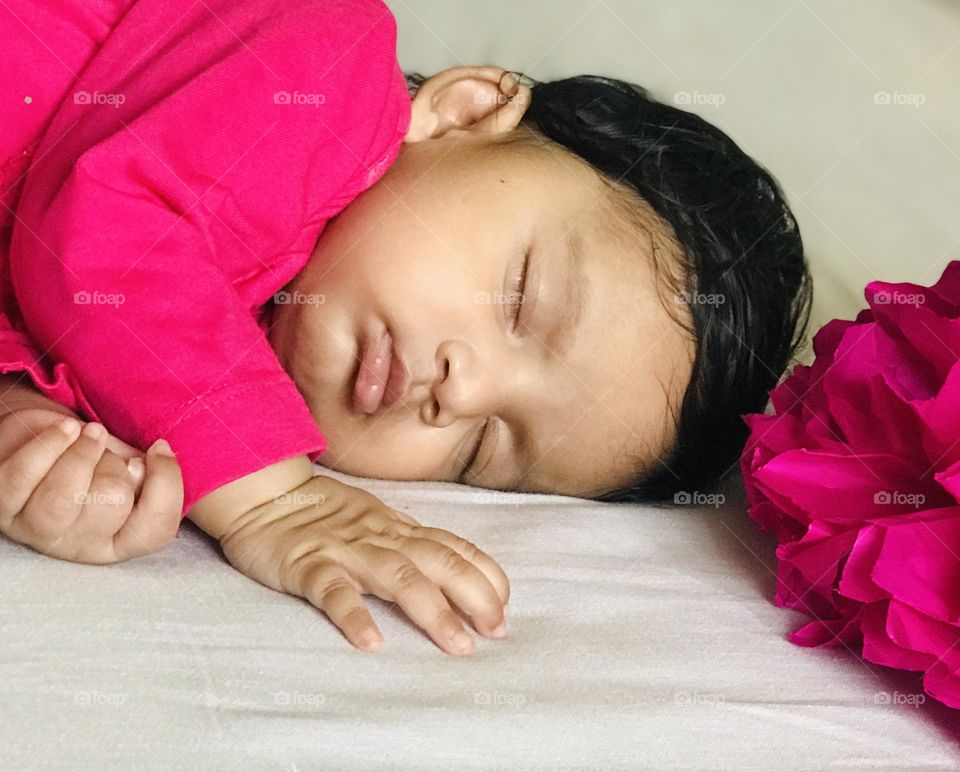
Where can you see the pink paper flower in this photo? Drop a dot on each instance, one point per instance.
(857, 473)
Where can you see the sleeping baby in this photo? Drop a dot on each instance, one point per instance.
(237, 235)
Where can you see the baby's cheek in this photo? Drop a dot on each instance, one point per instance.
(379, 451)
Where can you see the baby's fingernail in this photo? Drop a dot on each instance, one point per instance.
(136, 468)
(371, 642)
(94, 431)
(69, 426)
(461, 642)
(161, 447)
(500, 631)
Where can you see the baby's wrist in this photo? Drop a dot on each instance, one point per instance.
(225, 509)
(318, 495)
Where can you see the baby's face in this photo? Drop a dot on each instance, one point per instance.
(569, 396)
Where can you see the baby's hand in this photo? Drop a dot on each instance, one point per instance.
(329, 542)
(88, 497)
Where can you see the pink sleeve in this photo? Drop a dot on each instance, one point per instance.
(189, 174)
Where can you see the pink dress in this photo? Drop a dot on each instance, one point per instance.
(165, 168)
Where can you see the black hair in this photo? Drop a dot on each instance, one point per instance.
(741, 268)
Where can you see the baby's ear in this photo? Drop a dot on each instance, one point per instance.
(469, 99)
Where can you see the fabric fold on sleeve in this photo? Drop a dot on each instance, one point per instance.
(119, 264)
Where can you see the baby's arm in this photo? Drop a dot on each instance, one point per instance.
(86, 497)
(150, 233)
(327, 542)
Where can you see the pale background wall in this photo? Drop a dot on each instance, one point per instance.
(875, 187)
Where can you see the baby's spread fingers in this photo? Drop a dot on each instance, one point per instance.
(474, 554)
(23, 471)
(156, 516)
(326, 585)
(391, 576)
(461, 581)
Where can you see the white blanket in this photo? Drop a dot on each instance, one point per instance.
(638, 637)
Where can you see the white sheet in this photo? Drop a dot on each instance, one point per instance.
(639, 637)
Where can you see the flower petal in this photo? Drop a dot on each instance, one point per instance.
(856, 582)
(919, 564)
